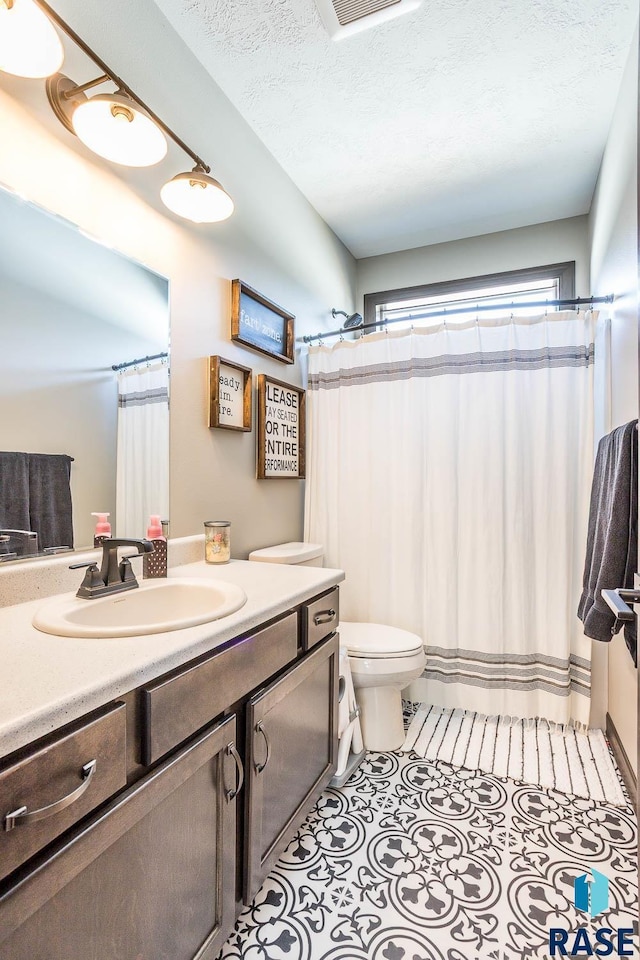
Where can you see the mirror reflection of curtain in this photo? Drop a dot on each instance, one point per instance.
(142, 485)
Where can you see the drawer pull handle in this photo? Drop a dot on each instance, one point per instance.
(232, 752)
(325, 616)
(21, 816)
(260, 729)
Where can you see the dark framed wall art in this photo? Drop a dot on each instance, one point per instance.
(230, 395)
(261, 324)
(281, 430)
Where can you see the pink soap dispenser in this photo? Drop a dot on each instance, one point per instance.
(154, 564)
(103, 529)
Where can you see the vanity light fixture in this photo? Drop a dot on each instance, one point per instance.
(119, 126)
(113, 125)
(29, 44)
(197, 197)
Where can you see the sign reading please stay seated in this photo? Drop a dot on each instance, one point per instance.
(281, 431)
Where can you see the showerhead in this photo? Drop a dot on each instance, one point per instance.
(353, 319)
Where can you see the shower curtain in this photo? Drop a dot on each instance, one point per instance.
(142, 485)
(449, 475)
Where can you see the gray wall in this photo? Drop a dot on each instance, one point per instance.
(275, 242)
(613, 226)
(532, 246)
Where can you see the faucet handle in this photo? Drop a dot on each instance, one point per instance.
(126, 570)
(92, 580)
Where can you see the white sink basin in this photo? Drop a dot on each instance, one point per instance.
(154, 607)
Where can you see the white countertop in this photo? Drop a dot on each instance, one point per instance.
(48, 681)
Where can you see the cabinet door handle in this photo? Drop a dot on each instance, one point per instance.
(232, 752)
(21, 815)
(260, 729)
(325, 616)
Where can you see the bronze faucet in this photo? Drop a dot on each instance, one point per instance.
(113, 576)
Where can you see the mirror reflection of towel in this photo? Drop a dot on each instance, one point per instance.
(14, 491)
(35, 494)
(50, 508)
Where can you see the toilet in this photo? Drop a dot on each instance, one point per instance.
(383, 660)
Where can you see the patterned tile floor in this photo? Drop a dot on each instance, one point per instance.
(413, 860)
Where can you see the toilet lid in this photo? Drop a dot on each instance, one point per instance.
(292, 552)
(377, 640)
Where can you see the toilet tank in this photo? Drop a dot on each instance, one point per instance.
(302, 554)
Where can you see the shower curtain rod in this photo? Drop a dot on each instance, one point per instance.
(577, 301)
(136, 363)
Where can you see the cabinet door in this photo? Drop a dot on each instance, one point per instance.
(291, 756)
(153, 878)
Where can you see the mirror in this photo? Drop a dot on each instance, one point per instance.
(70, 309)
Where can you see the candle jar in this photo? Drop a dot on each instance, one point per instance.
(217, 541)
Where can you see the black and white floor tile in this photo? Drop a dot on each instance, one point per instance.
(413, 860)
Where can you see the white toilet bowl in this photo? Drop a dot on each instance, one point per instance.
(383, 660)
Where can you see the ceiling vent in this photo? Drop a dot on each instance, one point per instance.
(343, 18)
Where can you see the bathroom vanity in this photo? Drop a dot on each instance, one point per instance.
(170, 799)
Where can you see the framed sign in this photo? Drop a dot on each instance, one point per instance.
(230, 391)
(261, 324)
(281, 430)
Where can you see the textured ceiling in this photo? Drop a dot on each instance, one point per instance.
(460, 118)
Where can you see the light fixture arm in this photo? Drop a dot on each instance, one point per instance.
(81, 87)
(109, 74)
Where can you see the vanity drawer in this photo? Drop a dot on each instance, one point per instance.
(176, 707)
(70, 776)
(320, 618)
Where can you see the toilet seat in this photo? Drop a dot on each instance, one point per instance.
(377, 641)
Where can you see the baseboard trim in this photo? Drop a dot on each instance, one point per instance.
(620, 754)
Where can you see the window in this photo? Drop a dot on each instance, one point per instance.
(411, 306)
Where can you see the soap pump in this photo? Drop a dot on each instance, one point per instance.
(154, 564)
(103, 529)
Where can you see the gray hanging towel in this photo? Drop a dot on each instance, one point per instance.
(14, 491)
(612, 539)
(50, 510)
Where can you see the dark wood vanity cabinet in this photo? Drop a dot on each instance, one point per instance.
(291, 755)
(154, 872)
(150, 879)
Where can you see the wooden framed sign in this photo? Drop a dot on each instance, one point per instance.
(281, 430)
(230, 394)
(261, 324)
